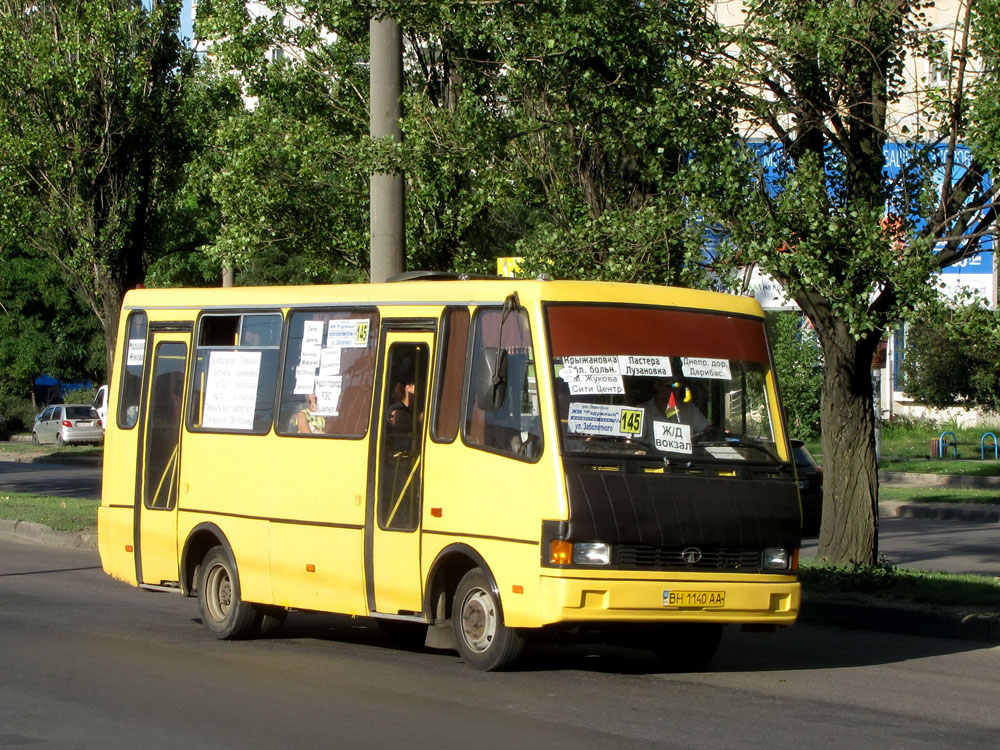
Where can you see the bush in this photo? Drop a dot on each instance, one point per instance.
(20, 415)
(951, 356)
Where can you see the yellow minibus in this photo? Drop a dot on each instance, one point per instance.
(487, 460)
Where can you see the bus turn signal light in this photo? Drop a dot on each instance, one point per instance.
(562, 552)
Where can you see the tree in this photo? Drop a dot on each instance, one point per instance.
(289, 173)
(816, 82)
(799, 363)
(550, 129)
(585, 113)
(952, 354)
(88, 141)
(43, 328)
(190, 217)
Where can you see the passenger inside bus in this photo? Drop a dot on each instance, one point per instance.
(307, 420)
(400, 412)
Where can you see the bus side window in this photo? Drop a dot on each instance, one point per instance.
(131, 385)
(515, 429)
(451, 371)
(235, 371)
(329, 373)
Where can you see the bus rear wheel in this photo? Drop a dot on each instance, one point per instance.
(223, 612)
(484, 641)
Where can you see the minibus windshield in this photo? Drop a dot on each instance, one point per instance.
(687, 386)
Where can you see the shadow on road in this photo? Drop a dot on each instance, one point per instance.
(801, 647)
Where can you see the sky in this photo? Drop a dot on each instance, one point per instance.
(186, 30)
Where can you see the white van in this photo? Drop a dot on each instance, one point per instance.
(101, 404)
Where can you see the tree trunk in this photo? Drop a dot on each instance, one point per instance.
(110, 300)
(849, 532)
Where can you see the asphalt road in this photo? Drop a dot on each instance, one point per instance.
(61, 480)
(930, 544)
(88, 662)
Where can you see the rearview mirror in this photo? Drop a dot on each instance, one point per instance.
(491, 384)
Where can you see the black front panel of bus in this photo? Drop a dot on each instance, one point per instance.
(625, 505)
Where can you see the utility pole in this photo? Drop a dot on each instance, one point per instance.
(387, 227)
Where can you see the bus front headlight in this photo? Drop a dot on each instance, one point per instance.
(775, 558)
(591, 553)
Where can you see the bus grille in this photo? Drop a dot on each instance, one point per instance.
(639, 557)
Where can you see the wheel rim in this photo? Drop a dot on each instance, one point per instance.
(219, 592)
(479, 620)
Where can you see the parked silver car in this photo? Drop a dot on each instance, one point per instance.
(68, 423)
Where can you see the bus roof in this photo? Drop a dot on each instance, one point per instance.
(440, 291)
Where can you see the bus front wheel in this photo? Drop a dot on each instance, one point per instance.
(484, 642)
(223, 612)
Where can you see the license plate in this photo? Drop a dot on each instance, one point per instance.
(84, 424)
(702, 599)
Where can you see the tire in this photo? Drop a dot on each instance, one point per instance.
(223, 612)
(686, 646)
(484, 642)
(59, 440)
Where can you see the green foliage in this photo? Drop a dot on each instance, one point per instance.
(88, 139)
(814, 83)
(945, 495)
(552, 130)
(58, 513)
(43, 328)
(952, 354)
(798, 359)
(191, 217)
(884, 579)
(984, 109)
(289, 174)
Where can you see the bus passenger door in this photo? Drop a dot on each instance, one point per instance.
(159, 465)
(395, 581)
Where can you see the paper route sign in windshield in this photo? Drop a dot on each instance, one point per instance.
(605, 419)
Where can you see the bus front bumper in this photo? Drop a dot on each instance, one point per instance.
(769, 600)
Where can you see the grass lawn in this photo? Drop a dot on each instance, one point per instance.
(938, 495)
(59, 513)
(889, 582)
(970, 468)
(19, 448)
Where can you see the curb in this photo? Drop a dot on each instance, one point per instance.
(41, 534)
(69, 460)
(15, 458)
(970, 512)
(955, 481)
(956, 624)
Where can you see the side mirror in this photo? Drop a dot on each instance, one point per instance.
(491, 385)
